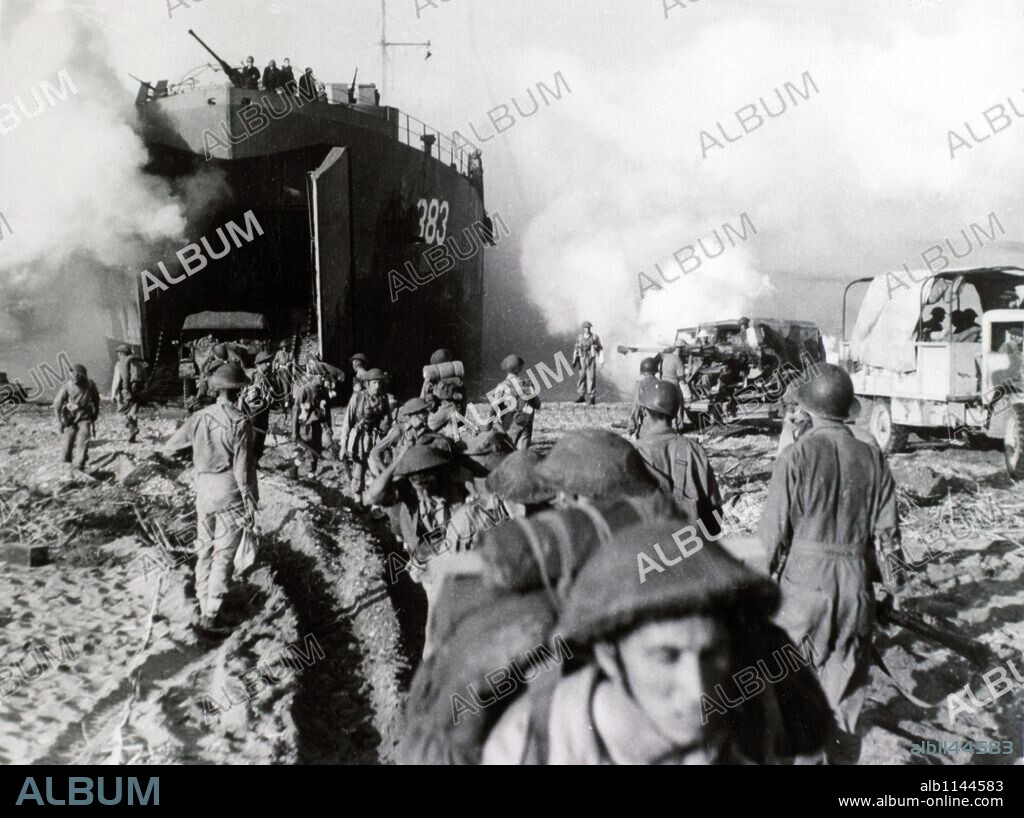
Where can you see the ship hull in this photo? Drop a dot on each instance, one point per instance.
(347, 213)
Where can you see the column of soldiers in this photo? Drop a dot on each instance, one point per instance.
(477, 509)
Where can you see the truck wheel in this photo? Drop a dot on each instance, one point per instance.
(891, 437)
(1013, 443)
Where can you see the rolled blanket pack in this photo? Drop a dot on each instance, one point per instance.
(548, 548)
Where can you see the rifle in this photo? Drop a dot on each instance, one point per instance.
(941, 632)
(352, 88)
(233, 74)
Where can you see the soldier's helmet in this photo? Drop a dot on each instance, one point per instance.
(661, 397)
(587, 325)
(283, 345)
(649, 366)
(413, 406)
(264, 357)
(608, 598)
(829, 394)
(744, 322)
(229, 376)
(969, 315)
(512, 364)
(372, 375)
(80, 371)
(517, 480)
(220, 351)
(487, 450)
(360, 358)
(124, 349)
(441, 356)
(419, 459)
(597, 464)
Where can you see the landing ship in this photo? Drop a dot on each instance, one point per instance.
(347, 193)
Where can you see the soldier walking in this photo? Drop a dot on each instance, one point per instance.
(648, 375)
(516, 403)
(281, 370)
(77, 406)
(255, 402)
(227, 491)
(673, 370)
(368, 418)
(126, 390)
(680, 464)
(585, 356)
(651, 663)
(831, 503)
(358, 363)
(439, 356)
(311, 420)
(410, 429)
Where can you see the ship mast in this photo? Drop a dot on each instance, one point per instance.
(385, 45)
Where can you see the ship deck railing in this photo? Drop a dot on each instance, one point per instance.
(409, 130)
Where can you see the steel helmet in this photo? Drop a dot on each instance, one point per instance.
(229, 376)
(649, 366)
(829, 394)
(662, 397)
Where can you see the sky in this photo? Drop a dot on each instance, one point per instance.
(613, 178)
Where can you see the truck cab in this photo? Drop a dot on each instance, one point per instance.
(246, 333)
(921, 369)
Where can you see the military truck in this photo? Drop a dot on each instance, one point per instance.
(914, 373)
(247, 334)
(735, 372)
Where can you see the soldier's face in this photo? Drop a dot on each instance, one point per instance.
(426, 482)
(373, 387)
(668, 666)
(417, 421)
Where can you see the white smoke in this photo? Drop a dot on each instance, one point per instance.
(850, 182)
(86, 219)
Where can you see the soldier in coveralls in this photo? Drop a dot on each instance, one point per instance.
(368, 417)
(831, 504)
(584, 356)
(126, 390)
(77, 406)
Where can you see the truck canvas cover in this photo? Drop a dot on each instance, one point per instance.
(884, 333)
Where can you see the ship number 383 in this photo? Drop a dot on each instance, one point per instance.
(433, 220)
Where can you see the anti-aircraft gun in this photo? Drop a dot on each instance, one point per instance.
(233, 74)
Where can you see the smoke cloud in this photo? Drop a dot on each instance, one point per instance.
(86, 218)
(850, 182)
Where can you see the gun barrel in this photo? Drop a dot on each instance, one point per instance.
(233, 73)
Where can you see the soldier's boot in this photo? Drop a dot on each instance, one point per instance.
(213, 627)
(581, 399)
(593, 401)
